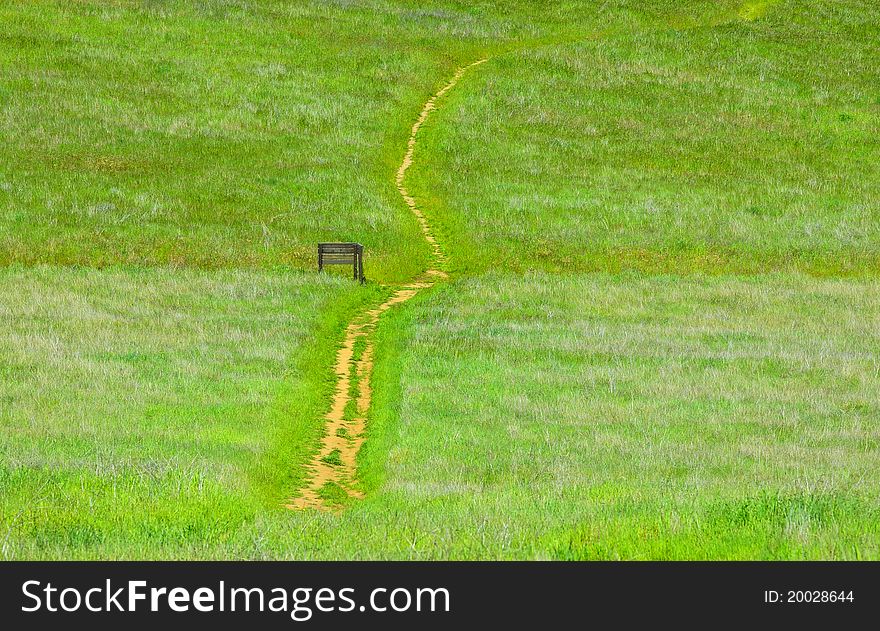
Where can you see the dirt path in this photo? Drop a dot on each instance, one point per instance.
(333, 470)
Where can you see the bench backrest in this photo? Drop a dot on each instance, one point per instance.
(339, 248)
(342, 254)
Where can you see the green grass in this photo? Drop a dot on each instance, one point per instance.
(605, 417)
(638, 417)
(678, 356)
(334, 495)
(737, 148)
(543, 416)
(163, 405)
(333, 458)
(229, 134)
(207, 134)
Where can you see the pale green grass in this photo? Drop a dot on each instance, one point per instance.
(743, 147)
(568, 417)
(154, 402)
(629, 417)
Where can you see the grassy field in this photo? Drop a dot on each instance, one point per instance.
(156, 405)
(542, 416)
(740, 148)
(610, 416)
(231, 134)
(660, 339)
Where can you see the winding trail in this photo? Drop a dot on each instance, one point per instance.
(333, 469)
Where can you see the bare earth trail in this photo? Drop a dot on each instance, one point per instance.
(335, 463)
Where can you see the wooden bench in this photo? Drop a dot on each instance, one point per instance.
(342, 254)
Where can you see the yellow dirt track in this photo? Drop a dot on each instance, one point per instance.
(336, 459)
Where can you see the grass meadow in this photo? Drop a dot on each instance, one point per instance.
(741, 148)
(156, 405)
(631, 416)
(661, 334)
(218, 133)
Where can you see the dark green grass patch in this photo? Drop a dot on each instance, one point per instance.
(334, 494)
(333, 458)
